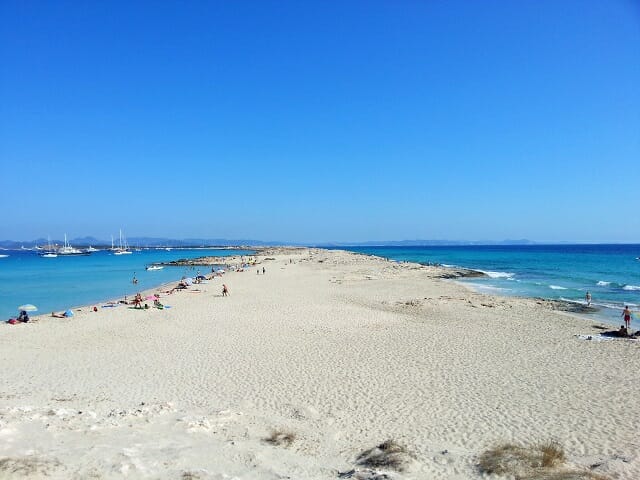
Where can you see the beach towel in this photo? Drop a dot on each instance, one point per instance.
(604, 338)
(596, 338)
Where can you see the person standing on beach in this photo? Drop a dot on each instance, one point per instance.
(588, 299)
(263, 270)
(225, 290)
(626, 313)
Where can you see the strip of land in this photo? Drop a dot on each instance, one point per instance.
(309, 370)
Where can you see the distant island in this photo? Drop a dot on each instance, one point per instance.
(153, 242)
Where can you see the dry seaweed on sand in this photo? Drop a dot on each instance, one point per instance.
(542, 461)
(388, 454)
(280, 438)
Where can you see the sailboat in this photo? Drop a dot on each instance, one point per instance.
(48, 251)
(122, 248)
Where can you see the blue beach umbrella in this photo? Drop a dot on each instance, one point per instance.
(28, 308)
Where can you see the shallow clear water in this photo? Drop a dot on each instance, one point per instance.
(54, 284)
(610, 272)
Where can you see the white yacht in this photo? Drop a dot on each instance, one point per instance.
(67, 249)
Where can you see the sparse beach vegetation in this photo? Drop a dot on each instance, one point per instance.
(389, 454)
(541, 461)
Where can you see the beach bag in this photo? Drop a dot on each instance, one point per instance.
(12, 321)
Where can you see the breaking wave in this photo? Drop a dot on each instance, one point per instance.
(498, 274)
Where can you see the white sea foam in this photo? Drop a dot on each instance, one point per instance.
(602, 283)
(556, 287)
(631, 287)
(569, 300)
(498, 274)
(613, 306)
(490, 289)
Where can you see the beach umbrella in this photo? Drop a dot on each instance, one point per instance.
(28, 308)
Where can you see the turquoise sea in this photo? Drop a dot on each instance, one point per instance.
(610, 272)
(55, 284)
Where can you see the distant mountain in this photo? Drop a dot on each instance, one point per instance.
(224, 242)
(197, 242)
(143, 242)
(93, 241)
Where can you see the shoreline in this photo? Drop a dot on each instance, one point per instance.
(445, 273)
(225, 260)
(336, 351)
(574, 308)
(453, 272)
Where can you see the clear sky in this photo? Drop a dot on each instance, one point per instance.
(318, 121)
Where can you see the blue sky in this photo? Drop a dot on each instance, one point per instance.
(321, 121)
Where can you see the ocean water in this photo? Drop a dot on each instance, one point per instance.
(566, 272)
(55, 284)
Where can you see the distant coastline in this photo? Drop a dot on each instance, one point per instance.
(194, 243)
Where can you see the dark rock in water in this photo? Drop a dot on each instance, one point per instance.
(197, 262)
(461, 273)
(565, 306)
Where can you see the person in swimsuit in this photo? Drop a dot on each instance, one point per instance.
(626, 313)
(588, 299)
(137, 301)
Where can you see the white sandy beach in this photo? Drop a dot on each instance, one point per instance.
(342, 351)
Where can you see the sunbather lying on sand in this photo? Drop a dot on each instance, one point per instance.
(621, 332)
(180, 286)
